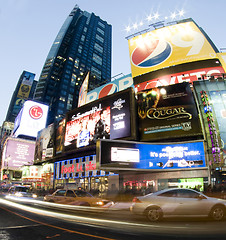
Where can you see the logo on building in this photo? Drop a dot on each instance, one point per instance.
(108, 90)
(36, 112)
(151, 53)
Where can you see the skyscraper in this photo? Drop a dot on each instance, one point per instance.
(24, 90)
(83, 44)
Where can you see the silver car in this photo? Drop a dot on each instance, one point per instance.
(178, 202)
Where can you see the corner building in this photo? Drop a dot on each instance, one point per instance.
(83, 44)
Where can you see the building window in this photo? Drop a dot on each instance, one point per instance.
(100, 31)
(98, 37)
(98, 47)
(101, 24)
(96, 72)
(97, 59)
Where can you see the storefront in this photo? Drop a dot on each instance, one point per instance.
(151, 182)
(39, 177)
(83, 172)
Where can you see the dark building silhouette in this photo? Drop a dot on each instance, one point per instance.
(83, 44)
(24, 91)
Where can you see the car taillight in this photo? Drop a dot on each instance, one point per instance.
(136, 200)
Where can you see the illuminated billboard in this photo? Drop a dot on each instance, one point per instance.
(17, 153)
(111, 117)
(26, 84)
(222, 58)
(59, 143)
(110, 88)
(167, 113)
(168, 46)
(44, 147)
(31, 119)
(174, 78)
(127, 155)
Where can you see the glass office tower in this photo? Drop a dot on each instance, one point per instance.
(83, 44)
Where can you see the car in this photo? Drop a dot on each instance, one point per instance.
(76, 197)
(21, 191)
(178, 202)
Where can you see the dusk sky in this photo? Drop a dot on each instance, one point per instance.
(29, 27)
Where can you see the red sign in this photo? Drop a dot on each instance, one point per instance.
(36, 112)
(78, 168)
(188, 76)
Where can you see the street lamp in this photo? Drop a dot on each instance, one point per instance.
(7, 166)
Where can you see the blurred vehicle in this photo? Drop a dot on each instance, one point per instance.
(178, 202)
(76, 197)
(21, 191)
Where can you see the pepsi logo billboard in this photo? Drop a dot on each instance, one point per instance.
(151, 53)
(110, 88)
(168, 46)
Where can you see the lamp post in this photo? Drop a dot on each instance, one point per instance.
(7, 166)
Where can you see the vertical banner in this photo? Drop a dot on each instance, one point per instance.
(83, 91)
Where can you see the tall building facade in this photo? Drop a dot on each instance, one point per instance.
(24, 91)
(83, 44)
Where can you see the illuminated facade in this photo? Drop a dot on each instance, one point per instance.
(82, 44)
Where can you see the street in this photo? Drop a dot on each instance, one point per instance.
(31, 220)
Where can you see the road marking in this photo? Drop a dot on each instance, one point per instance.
(60, 228)
(23, 226)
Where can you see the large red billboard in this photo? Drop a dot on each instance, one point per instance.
(173, 78)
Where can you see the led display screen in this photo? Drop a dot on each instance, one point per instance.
(44, 147)
(18, 152)
(167, 113)
(146, 156)
(60, 136)
(31, 119)
(174, 78)
(107, 118)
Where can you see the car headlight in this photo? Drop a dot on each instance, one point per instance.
(100, 203)
(18, 194)
(34, 195)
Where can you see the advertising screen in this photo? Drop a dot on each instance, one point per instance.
(107, 118)
(18, 152)
(31, 119)
(59, 144)
(174, 78)
(110, 88)
(167, 113)
(44, 147)
(168, 46)
(146, 156)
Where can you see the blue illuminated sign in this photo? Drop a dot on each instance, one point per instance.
(131, 155)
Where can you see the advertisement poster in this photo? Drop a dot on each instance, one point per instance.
(174, 78)
(168, 46)
(31, 119)
(145, 156)
(60, 136)
(17, 153)
(167, 113)
(44, 147)
(110, 88)
(218, 99)
(107, 118)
